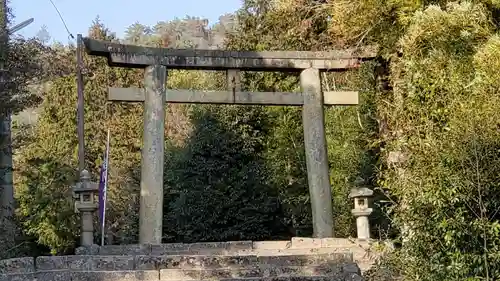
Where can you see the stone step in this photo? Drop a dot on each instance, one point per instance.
(337, 277)
(147, 262)
(282, 271)
(289, 278)
(194, 262)
(155, 276)
(311, 243)
(65, 275)
(229, 248)
(259, 252)
(180, 268)
(304, 251)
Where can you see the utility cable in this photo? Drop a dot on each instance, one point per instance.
(62, 20)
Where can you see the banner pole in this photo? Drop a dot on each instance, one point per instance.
(104, 182)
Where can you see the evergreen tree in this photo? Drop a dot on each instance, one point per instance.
(47, 164)
(220, 180)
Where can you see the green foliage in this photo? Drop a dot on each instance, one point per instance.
(52, 218)
(21, 66)
(287, 165)
(425, 135)
(219, 182)
(444, 113)
(436, 112)
(303, 25)
(53, 141)
(25, 67)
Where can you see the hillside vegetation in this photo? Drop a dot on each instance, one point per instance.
(425, 137)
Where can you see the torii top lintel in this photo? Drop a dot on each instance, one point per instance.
(133, 56)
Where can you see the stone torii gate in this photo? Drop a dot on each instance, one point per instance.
(156, 62)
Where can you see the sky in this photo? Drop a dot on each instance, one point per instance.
(117, 15)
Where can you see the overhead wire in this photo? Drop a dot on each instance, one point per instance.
(80, 99)
(81, 70)
(70, 35)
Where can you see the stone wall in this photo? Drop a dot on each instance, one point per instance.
(301, 259)
(170, 268)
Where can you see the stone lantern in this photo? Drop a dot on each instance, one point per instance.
(84, 193)
(361, 210)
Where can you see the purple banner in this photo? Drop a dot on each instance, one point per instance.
(103, 184)
(102, 191)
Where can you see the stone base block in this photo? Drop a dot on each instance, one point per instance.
(215, 262)
(224, 248)
(85, 263)
(256, 272)
(141, 275)
(17, 265)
